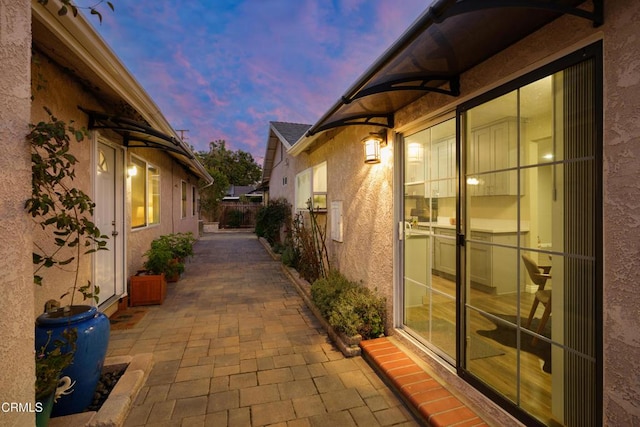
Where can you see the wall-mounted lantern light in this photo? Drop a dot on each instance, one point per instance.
(372, 144)
(132, 170)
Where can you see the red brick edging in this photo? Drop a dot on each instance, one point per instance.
(429, 399)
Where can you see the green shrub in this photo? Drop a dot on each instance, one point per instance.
(271, 218)
(348, 306)
(180, 244)
(359, 311)
(160, 259)
(290, 256)
(325, 291)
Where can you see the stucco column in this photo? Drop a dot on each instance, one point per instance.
(16, 300)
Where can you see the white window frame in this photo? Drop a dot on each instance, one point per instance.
(311, 183)
(147, 193)
(184, 199)
(194, 200)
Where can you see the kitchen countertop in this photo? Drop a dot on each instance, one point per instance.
(482, 225)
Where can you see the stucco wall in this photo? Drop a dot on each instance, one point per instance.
(16, 304)
(366, 191)
(61, 94)
(284, 166)
(171, 176)
(621, 213)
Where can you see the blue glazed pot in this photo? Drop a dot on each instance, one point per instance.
(93, 339)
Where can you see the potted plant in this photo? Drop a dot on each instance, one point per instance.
(164, 257)
(149, 286)
(181, 245)
(64, 213)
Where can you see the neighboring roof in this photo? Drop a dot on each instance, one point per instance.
(239, 190)
(73, 43)
(289, 133)
(449, 38)
(280, 133)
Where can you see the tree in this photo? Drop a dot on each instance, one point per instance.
(238, 166)
(69, 4)
(227, 168)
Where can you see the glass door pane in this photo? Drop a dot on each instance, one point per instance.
(429, 240)
(530, 203)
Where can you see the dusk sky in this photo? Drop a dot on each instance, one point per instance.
(222, 69)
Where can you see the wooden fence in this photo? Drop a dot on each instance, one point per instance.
(238, 215)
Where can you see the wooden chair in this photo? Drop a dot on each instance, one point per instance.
(539, 276)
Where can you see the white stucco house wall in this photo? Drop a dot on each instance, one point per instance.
(508, 130)
(142, 177)
(277, 170)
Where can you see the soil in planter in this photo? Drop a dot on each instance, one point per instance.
(108, 380)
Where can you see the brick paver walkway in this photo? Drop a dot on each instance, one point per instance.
(234, 345)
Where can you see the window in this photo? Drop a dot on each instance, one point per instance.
(145, 193)
(311, 185)
(183, 202)
(194, 201)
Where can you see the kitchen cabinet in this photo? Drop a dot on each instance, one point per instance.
(493, 262)
(445, 252)
(443, 167)
(434, 175)
(493, 148)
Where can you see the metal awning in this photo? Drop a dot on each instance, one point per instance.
(139, 135)
(136, 134)
(448, 39)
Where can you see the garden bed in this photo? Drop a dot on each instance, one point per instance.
(349, 346)
(113, 410)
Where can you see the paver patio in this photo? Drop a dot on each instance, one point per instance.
(234, 345)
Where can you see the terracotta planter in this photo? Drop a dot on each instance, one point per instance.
(147, 289)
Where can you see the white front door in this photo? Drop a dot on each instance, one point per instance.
(108, 213)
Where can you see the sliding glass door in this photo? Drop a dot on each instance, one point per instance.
(531, 280)
(429, 237)
(520, 287)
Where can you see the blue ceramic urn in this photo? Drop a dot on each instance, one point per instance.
(93, 328)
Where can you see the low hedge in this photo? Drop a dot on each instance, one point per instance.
(348, 306)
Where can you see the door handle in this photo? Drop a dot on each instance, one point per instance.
(114, 233)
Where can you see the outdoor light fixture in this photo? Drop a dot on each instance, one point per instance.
(372, 144)
(132, 170)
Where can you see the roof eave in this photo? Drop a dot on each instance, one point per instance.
(79, 37)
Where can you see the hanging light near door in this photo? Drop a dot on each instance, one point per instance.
(372, 144)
